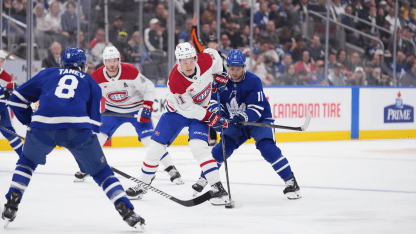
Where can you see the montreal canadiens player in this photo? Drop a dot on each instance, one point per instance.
(127, 91)
(244, 100)
(189, 84)
(69, 113)
(5, 120)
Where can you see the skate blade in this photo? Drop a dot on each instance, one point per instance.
(6, 223)
(178, 181)
(219, 201)
(79, 180)
(140, 228)
(293, 195)
(234, 204)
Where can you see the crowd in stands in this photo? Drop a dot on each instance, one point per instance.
(288, 44)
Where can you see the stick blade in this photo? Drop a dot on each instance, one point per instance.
(307, 121)
(234, 205)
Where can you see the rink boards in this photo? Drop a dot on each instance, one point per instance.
(338, 113)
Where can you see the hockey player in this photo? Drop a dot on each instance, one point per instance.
(5, 120)
(127, 91)
(244, 100)
(189, 84)
(68, 115)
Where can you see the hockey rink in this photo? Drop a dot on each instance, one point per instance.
(366, 186)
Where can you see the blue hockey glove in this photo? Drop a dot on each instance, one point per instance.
(214, 108)
(242, 116)
(145, 113)
(215, 121)
(220, 82)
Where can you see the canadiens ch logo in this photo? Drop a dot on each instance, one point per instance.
(118, 96)
(201, 96)
(399, 112)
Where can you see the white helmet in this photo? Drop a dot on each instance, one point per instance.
(3, 55)
(184, 50)
(110, 52)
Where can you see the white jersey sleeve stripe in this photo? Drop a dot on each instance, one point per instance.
(3, 101)
(17, 104)
(95, 122)
(20, 96)
(257, 112)
(255, 106)
(62, 119)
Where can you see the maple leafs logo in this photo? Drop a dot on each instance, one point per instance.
(234, 108)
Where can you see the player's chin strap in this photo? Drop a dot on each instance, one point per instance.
(224, 154)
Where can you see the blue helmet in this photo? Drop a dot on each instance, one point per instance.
(236, 58)
(73, 57)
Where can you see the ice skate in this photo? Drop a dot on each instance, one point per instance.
(130, 217)
(80, 176)
(199, 186)
(174, 174)
(220, 195)
(292, 189)
(10, 208)
(137, 192)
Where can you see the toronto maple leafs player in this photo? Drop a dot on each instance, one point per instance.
(127, 91)
(189, 85)
(5, 120)
(244, 100)
(67, 116)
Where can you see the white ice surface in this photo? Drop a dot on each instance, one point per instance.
(347, 187)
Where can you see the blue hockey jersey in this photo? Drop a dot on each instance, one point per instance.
(245, 96)
(67, 99)
(2, 100)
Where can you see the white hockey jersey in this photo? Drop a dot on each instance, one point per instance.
(126, 92)
(190, 96)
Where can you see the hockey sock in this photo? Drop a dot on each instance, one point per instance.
(166, 159)
(21, 176)
(208, 165)
(154, 154)
(274, 156)
(111, 186)
(14, 141)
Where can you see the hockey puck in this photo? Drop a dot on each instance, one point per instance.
(233, 204)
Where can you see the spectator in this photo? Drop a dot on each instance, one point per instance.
(407, 34)
(305, 64)
(139, 53)
(382, 64)
(303, 78)
(185, 35)
(274, 14)
(401, 18)
(371, 48)
(332, 60)
(205, 33)
(259, 67)
(378, 79)
(381, 18)
(286, 47)
(286, 61)
(225, 44)
(113, 32)
(409, 79)
(225, 14)
(261, 18)
(401, 65)
(152, 36)
(354, 61)
(336, 9)
(233, 35)
(65, 5)
(383, 6)
(269, 56)
(42, 38)
(300, 47)
(160, 12)
(316, 50)
(390, 18)
(97, 46)
(54, 58)
(372, 19)
(69, 22)
(123, 47)
(53, 19)
(213, 28)
(317, 77)
(90, 68)
(289, 76)
(82, 42)
(336, 77)
(245, 35)
(357, 78)
(210, 14)
(271, 33)
(213, 44)
(235, 10)
(410, 59)
(411, 21)
(302, 9)
(385, 36)
(368, 70)
(352, 36)
(288, 17)
(342, 58)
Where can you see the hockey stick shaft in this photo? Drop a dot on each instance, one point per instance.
(301, 128)
(193, 202)
(224, 154)
(11, 132)
(119, 115)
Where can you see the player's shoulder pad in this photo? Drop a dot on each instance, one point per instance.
(177, 82)
(205, 60)
(128, 72)
(98, 75)
(253, 80)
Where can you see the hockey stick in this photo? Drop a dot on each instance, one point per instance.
(301, 128)
(193, 202)
(119, 115)
(224, 154)
(10, 132)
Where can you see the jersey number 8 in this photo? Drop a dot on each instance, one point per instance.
(59, 92)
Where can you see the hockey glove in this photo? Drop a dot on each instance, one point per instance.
(214, 108)
(215, 121)
(11, 86)
(145, 113)
(241, 116)
(220, 82)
